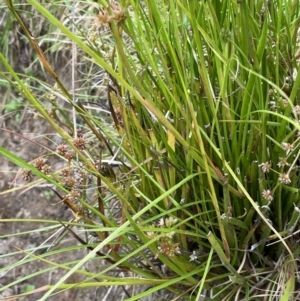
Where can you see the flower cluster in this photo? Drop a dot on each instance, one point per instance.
(42, 165)
(116, 12)
(283, 162)
(284, 178)
(267, 195)
(296, 111)
(62, 149)
(79, 143)
(283, 175)
(165, 243)
(26, 174)
(265, 167)
(288, 147)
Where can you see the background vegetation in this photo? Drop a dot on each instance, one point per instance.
(179, 157)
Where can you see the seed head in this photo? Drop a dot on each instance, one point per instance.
(151, 234)
(62, 149)
(287, 147)
(70, 155)
(118, 13)
(267, 195)
(193, 256)
(79, 143)
(170, 221)
(39, 163)
(65, 172)
(169, 249)
(46, 169)
(103, 17)
(296, 111)
(284, 178)
(265, 167)
(26, 174)
(283, 162)
(69, 182)
(161, 222)
(73, 196)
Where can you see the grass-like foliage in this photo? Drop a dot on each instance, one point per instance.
(191, 183)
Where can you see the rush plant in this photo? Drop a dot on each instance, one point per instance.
(188, 178)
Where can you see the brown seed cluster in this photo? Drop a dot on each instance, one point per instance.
(165, 243)
(26, 174)
(69, 182)
(65, 172)
(170, 249)
(79, 143)
(39, 163)
(42, 165)
(70, 155)
(62, 149)
(116, 13)
(73, 196)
